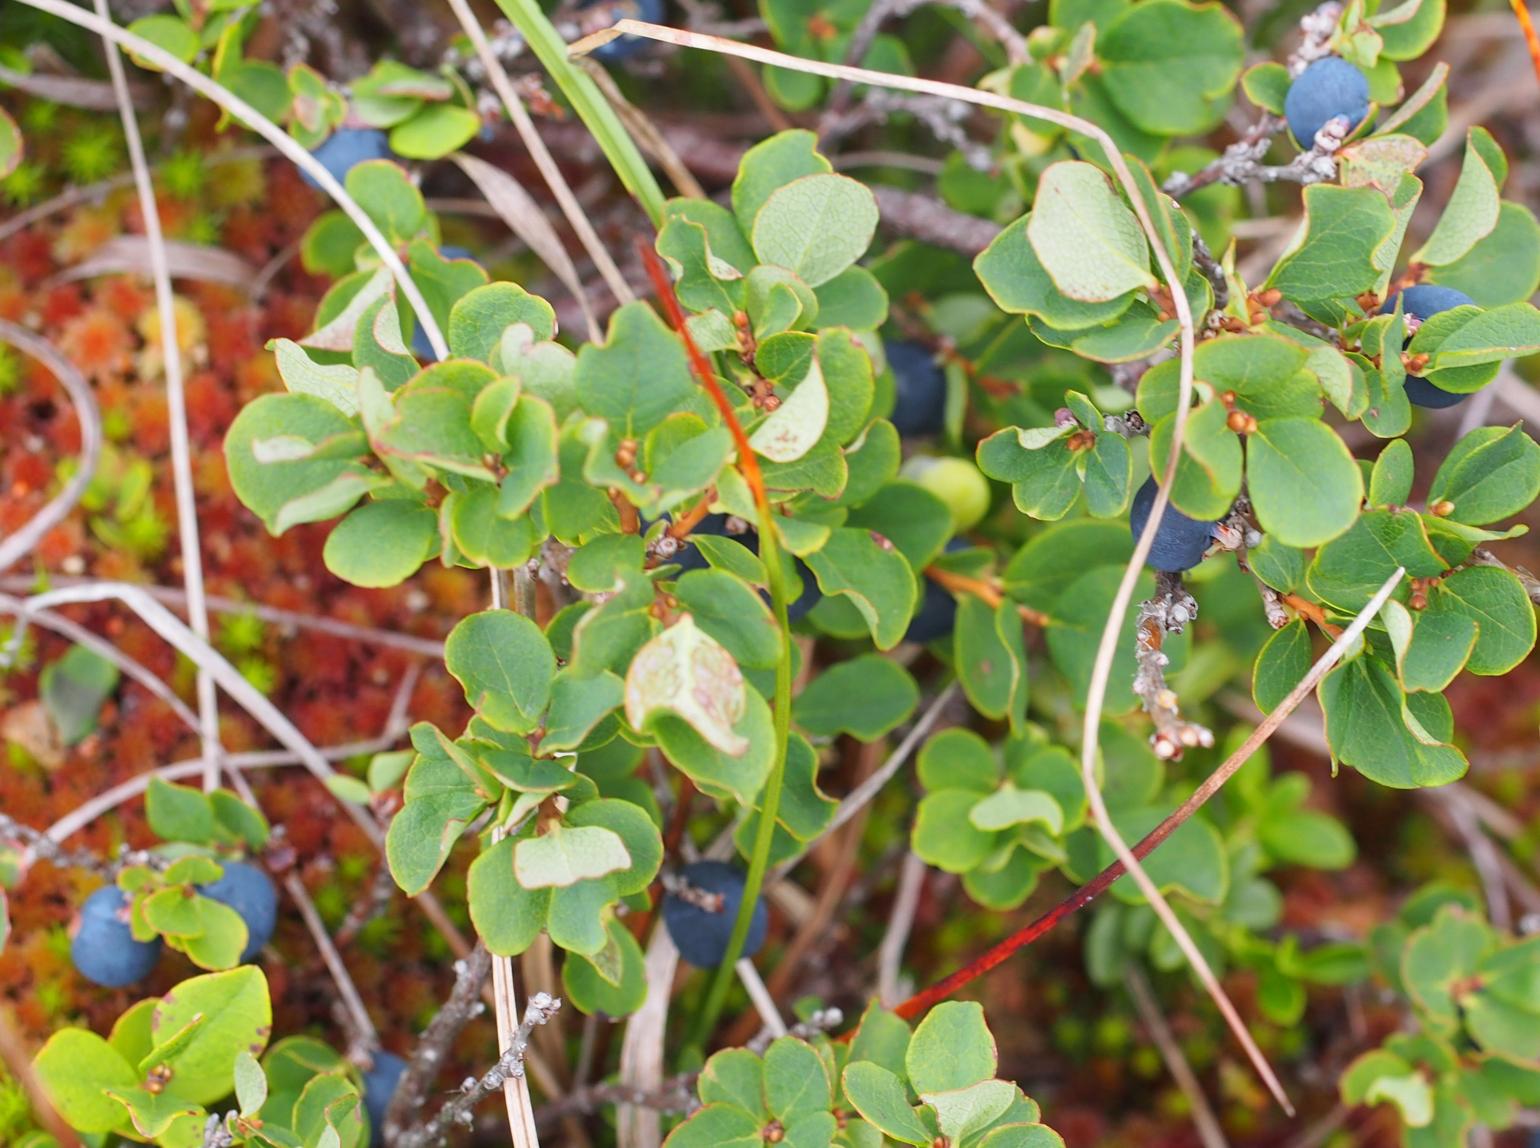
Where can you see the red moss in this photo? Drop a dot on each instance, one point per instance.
(99, 343)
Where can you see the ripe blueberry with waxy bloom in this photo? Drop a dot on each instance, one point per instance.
(699, 917)
(937, 614)
(689, 558)
(102, 946)
(380, 1084)
(1328, 88)
(919, 389)
(1422, 302)
(1180, 542)
(250, 892)
(345, 149)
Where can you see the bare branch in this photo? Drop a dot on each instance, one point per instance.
(427, 1060)
(509, 1067)
(1169, 612)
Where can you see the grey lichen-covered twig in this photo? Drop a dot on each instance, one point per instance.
(1168, 612)
(540, 1008)
(822, 1021)
(676, 1094)
(1242, 160)
(40, 846)
(464, 1005)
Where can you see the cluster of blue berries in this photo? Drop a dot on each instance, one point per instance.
(105, 952)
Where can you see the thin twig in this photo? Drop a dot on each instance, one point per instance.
(176, 404)
(674, 1095)
(509, 1066)
(427, 1060)
(1170, 1050)
(24, 540)
(1169, 612)
(37, 843)
(171, 596)
(759, 996)
(890, 954)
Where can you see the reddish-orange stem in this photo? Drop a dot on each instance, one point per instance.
(1082, 896)
(1531, 37)
(959, 583)
(692, 518)
(747, 462)
(1308, 609)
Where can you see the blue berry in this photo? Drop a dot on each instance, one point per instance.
(1328, 88)
(345, 149)
(103, 948)
(938, 609)
(701, 932)
(250, 892)
(380, 1084)
(1180, 542)
(624, 47)
(1423, 301)
(919, 389)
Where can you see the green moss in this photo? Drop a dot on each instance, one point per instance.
(92, 153)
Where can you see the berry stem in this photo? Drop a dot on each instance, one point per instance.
(959, 583)
(770, 555)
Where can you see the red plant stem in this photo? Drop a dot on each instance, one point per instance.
(747, 461)
(1024, 936)
(1099, 884)
(1527, 26)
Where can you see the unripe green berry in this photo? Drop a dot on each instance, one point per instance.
(956, 482)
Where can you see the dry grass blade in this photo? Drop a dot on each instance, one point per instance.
(648, 137)
(1170, 1049)
(105, 650)
(20, 543)
(1096, 886)
(521, 1110)
(1117, 614)
(73, 91)
(130, 254)
(205, 657)
(155, 252)
(554, 179)
(269, 131)
(524, 218)
(641, 1050)
(291, 619)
